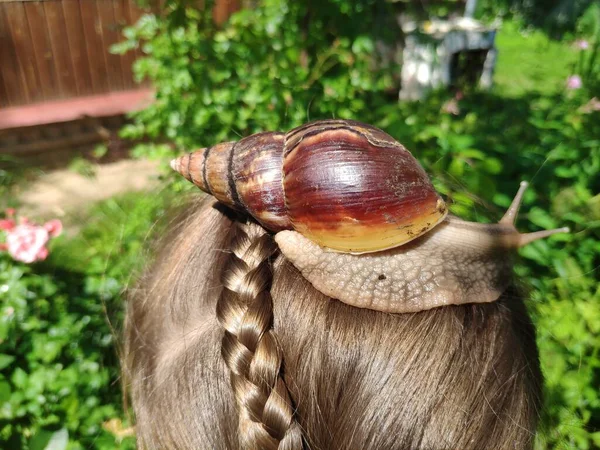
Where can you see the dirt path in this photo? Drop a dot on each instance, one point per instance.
(60, 192)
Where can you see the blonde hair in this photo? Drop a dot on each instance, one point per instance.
(227, 346)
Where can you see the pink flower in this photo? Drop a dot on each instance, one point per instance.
(54, 227)
(27, 243)
(574, 82)
(582, 44)
(7, 224)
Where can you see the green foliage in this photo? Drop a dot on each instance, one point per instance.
(83, 167)
(59, 366)
(14, 174)
(272, 67)
(9, 172)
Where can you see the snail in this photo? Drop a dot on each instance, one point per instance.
(357, 215)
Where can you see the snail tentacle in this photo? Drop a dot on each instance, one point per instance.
(510, 218)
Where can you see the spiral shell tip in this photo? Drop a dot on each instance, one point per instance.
(175, 164)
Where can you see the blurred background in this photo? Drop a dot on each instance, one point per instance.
(97, 95)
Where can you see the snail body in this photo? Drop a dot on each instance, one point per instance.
(347, 186)
(457, 262)
(354, 211)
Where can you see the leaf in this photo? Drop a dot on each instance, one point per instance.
(596, 438)
(19, 378)
(6, 360)
(50, 440)
(473, 153)
(5, 391)
(460, 142)
(493, 166)
(59, 440)
(362, 44)
(541, 218)
(566, 172)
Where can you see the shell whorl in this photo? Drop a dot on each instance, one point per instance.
(245, 175)
(345, 185)
(203, 168)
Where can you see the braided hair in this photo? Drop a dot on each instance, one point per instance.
(250, 348)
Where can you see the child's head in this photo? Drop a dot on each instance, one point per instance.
(229, 347)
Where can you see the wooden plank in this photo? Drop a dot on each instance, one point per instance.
(92, 30)
(103, 105)
(4, 97)
(134, 13)
(14, 82)
(60, 48)
(223, 9)
(22, 1)
(122, 20)
(42, 49)
(110, 36)
(46, 145)
(19, 28)
(77, 47)
(3, 93)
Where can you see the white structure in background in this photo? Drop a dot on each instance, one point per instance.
(432, 50)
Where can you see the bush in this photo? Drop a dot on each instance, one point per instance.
(59, 367)
(273, 67)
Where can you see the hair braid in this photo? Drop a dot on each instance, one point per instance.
(250, 348)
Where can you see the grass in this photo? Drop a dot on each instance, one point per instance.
(112, 233)
(528, 61)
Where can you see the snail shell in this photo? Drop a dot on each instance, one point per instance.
(345, 185)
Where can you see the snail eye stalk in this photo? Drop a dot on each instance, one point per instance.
(510, 218)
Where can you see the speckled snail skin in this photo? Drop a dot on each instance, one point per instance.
(357, 215)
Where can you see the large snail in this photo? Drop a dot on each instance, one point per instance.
(357, 215)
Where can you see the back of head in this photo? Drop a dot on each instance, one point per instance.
(228, 346)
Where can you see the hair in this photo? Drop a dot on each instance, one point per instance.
(227, 346)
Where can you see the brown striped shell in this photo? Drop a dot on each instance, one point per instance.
(343, 184)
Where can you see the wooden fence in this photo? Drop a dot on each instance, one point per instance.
(57, 49)
(61, 91)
